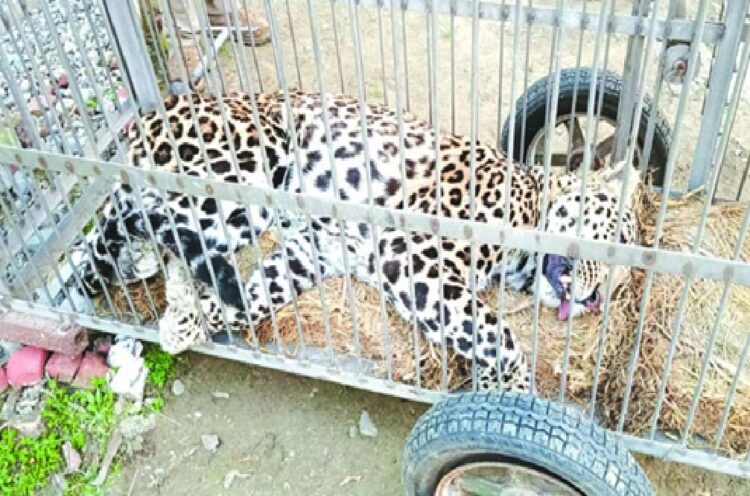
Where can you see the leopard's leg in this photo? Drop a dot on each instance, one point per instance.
(281, 276)
(450, 312)
(194, 313)
(304, 260)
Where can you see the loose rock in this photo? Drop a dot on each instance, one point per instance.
(210, 442)
(72, 458)
(366, 425)
(178, 388)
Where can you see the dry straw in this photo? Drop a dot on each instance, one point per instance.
(385, 339)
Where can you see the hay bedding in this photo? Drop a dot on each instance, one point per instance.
(697, 322)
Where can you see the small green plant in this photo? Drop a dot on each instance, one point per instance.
(26, 464)
(92, 102)
(162, 367)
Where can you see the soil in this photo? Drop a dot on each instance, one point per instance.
(285, 434)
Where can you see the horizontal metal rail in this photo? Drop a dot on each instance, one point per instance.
(238, 353)
(663, 450)
(53, 196)
(661, 260)
(672, 30)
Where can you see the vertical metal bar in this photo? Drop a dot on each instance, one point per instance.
(500, 66)
(573, 119)
(512, 113)
(700, 23)
(729, 402)
(53, 120)
(359, 69)
(527, 55)
(404, 4)
(337, 192)
(136, 67)
(253, 47)
(434, 119)
(639, 101)
(453, 66)
(632, 69)
(402, 170)
(720, 79)
(729, 119)
(294, 43)
(382, 51)
(336, 45)
(203, 19)
(743, 180)
(91, 73)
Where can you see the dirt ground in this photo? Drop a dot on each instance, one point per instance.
(284, 434)
(503, 69)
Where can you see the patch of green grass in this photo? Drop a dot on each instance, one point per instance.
(162, 368)
(26, 464)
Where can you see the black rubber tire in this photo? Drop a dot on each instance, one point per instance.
(536, 110)
(524, 429)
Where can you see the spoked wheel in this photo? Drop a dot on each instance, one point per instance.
(500, 479)
(505, 444)
(571, 124)
(570, 134)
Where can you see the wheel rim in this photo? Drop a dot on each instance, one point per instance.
(500, 479)
(569, 134)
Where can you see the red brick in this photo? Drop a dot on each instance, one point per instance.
(26, 366)
(92, 366)
(63, 367)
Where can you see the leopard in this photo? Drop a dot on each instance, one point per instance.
(339, 147)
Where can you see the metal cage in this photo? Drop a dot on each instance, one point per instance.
(74, 74)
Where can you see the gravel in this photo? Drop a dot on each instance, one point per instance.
(46, 76)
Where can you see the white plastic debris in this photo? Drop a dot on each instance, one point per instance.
(124, 351)
(128, 374)
(130, 379)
